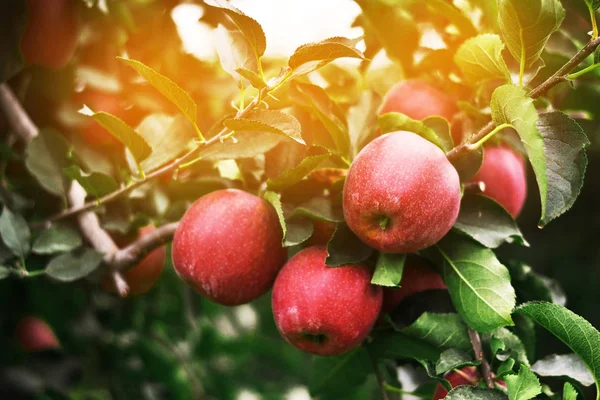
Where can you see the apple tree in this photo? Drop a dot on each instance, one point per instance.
(359, 219)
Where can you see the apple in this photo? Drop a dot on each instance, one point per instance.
(51, 32)
(417, 277)
(228, 246)
(465, 376)
(504, 177)
(401, 194)
(418, 100)
(144, 275)
(322, 233)
(323, 310)
(33, 334)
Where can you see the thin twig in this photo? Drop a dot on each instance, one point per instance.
(560, 76)
(189, 156)
(380, 379)
(20, 122)
(485, 369)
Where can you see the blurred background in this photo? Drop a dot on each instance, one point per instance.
(170, 343)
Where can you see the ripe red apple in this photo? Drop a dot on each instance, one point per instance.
(51, 32)
(417, 277)
(504, 176)
(418, 100)
(401, 194)
(324, 310)
(465, 376)
(144, 275)
(322, 233)
(228, 246)
(33, 334)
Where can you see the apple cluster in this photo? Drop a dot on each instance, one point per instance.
(401, 195)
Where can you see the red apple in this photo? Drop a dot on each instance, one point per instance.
(33, 334)
(51, 32)
(504, 177)
(418, 100)
(401, 194)
(322, 233)
(144, 275)
(324, 310)
(465, 376)
(228, 246)
(417, 277)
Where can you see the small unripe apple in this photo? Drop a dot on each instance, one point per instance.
(51, 33)
(33, 334)
(324, 310)
(228, 246)
(144, 275)
(401, 194)
(465, 376)
(504, 177)
(418, 100)
(417, 277)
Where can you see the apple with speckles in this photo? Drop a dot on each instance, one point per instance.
(401, 194)
(417, 277)
(34, 335)
(323, 310)
(504, 177)
(228, 247)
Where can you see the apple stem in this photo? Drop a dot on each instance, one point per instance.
(485, 368)
(380, 380)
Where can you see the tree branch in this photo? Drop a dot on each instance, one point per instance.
(189, 156)
(485, 369)
(560, 76)
(17, 118)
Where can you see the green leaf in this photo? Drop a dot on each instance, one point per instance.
(4, 272)
(454, 359)
(527, 25)
(487, 222)
(345, 247)
(299, 230)
(511, 345)
(291, 176)
(511, 105)
(273, 199)
(569, 392)
(523, 386)
(390, 25)
(169, 89)
(564, 144)
(15, 232)
(478, 283)
(69, 267)
(339, 376)
(235, 52)
(242, 145)
(13, 19)
(506, 368)
(252, 76)
(444, 331)
(533, 286)
(441, 127)
(480, 59)
(329, 113)
(321, 209)
(577, 333)
(168, 137)
(5, 253)
(272, 121)
(248, 26)
(471, 393)
(325, 50)
(127, 135)
(392, 122)
(57, 239)
(565, 365)
(595, 4)
(95, 184)
(45, 157)
(389, 268)
(396, 345)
